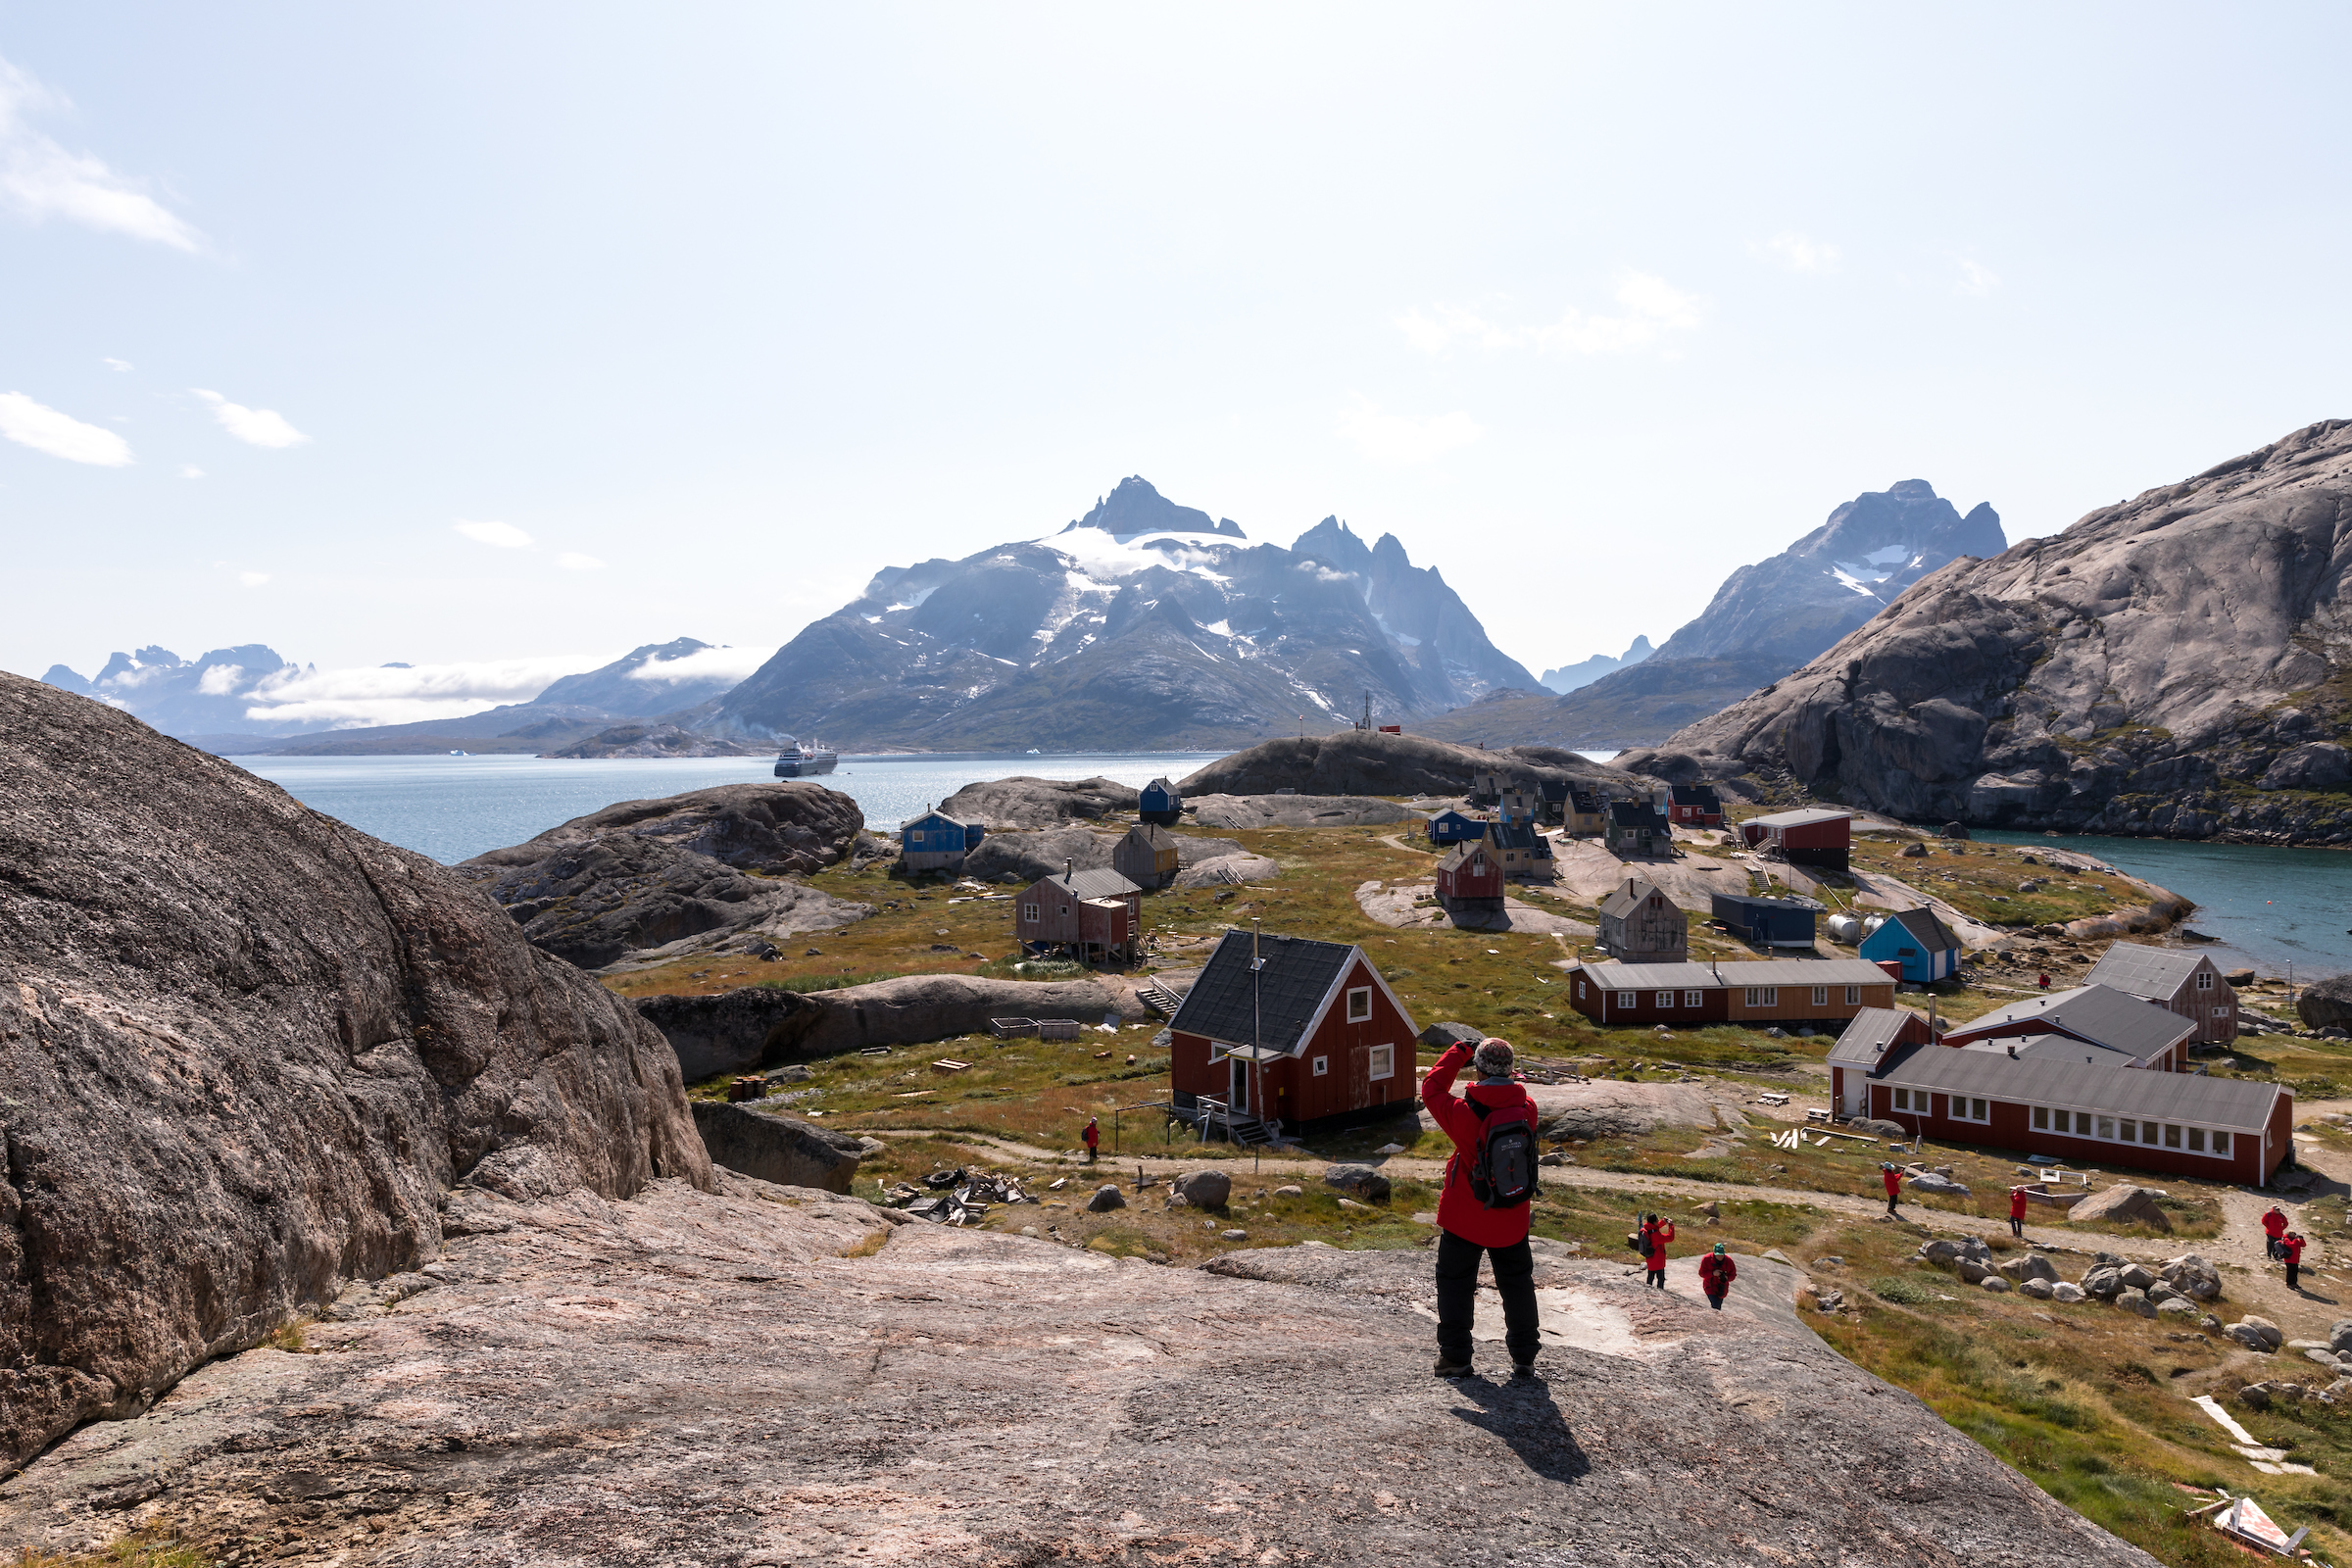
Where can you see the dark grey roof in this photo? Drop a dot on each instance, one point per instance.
(1161, 784)
(2115, 1018)
(2154, 974)
(1626, 898)
(1745, 972)
(1585, 798)
(1933, 933)
(1104, 884)
(1460, 853)
(2242, 1104)
(1695, 795)
(1636, 813)
(1518, 836)
(1556, 790)
(1153, 834)
(2054, 1048)
(1869, 1033)
(1298, 974)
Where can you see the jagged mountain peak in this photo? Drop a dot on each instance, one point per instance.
(1134, 507)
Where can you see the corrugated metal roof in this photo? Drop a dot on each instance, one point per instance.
(2112, 1017)
(1298, 974)
(2151, 973)
(1931, 932)
(1518, 836)
(2054, 1048)
(1870, 1032)
(1799, 819)
(1084, 885)
(936, 816)
(2239, 1103)
(1747, 972)
(1626, 898)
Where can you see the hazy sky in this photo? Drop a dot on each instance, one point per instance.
(515, 334)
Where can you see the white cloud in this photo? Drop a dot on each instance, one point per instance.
(219, 680)
(37, 425)
(261, 427)
(114, 365)
(734, 663)
(189, 471)
(1401, 438)
(573, 561)
(40, 181)
(1976, 280)
(1649, 311)
(382, 695)
(1797, 252)
(505, 535)
(253, 579)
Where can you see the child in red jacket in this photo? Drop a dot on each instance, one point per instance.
(1466, 1227)
(1657, 1236)
(2017, 1212)
(2290, 1247)
(1716, 1271)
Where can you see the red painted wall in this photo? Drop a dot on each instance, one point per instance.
(1290, 1089)
(2011, 1127)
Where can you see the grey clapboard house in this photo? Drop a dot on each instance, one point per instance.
(1640, 924)
(2184, 983)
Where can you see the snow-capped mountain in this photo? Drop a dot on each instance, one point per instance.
(1141, 624)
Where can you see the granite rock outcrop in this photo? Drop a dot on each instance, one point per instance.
(2177, 664)
(1368, 762)
(246, 1054)
(1021, 802)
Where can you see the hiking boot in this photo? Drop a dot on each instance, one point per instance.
(1452, 1369)
(1523, 1371)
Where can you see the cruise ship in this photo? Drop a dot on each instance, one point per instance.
(796, 760)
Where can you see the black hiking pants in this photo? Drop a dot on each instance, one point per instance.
(1458, 1296)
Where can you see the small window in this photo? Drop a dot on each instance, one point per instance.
(1580, 991)
(2204, 980)
(2148, 1132)
(1690, 999)
(1029, 912)
(2058, 1120)
(1906, 953)
(1763, 996)
(914, 838)
(2197, 1139)
(1384, 1063)
(1322, 1066)
(2221, 1013)
(2041, 1119)
(1971, 1109)
(2130, 1132)
(1821, 996)
(2172, 1137)
(1665, 998)
(2106, 1126)
(2221, 1143)
(1359, 1004)
(1625, 999)
(1853, 995)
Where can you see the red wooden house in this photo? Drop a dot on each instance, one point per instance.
(1097, 913)
(1694, 806)
(1815, 837)
(1469, 878)
(1305, 1034)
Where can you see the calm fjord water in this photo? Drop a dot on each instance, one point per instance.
(455, 808)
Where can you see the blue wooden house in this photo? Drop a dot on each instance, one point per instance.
(1921, 944)
(1454, 827)
(937, 842)
(1161, 802)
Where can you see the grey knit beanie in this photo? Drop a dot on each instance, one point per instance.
(1494, 1060)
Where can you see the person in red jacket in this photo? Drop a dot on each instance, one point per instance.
(2290, 1247)
(2273, 1226)
(1466, 1228)
(1895, 1184)
(2017, 1212)
(1716, 1271)
(1653, 1251)
(1093, 1138)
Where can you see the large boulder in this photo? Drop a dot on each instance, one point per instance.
(2256, 1333)
(1205, 1188)
(246, 1052)
(1442, 1037)
(2028, 1266)
(1878, 1129)
(1360, 1181)
(1368, 762)
(916, 1009)
(2136, 1303)
(2105, 1282)
(1234, 812)
(2326, 1004)
(1226, 871)
(776, 1147)
(1010, 804)
(730, 1032)
(2061, 1291)
(2192, 1277)
(1928, 1181)
(2339, 1336)
(1026, 856)
(665, 877)
(2136, 1276)
(2121, 1205)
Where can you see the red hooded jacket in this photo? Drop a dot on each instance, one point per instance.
(2273, 1224)
(1894, 1180)
(1458, 1210)
(1658, 1236)
(2017, 1203)
(1716, 1273)
(2293, 1246)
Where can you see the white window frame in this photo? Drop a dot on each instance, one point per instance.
(1965, 1108)
(2197, 1139)
(1692, 998)
(2128, 1130)
(1322, 1066)
(2172, 1136)
(2106, 1127)
(1821, 996)
(2041, 1119)
(1763, 996)
(1380, 1063)
(2204, 980)
(1903, 1102)
(1625, 999)
(1853, 995)
(2221, 1144)
(1065, 910)
(2147, 1135)
(1665, 998)
(1359, 1004)
(1029, 914)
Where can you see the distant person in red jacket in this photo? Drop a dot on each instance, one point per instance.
(1493, 1109)
(1654, 1256)
(2273, 1226)
(2017, 1212)
(1716, 1271)
(1895, 1184)
(1093, 1138)
(2290, 1247)
(2045, 980)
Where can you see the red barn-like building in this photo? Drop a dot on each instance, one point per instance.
(1805, 837)
(1470, 878)
(1307, 1036)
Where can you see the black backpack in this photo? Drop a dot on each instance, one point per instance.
(1503, 1167)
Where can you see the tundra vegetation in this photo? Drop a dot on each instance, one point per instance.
(2088, 1401)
